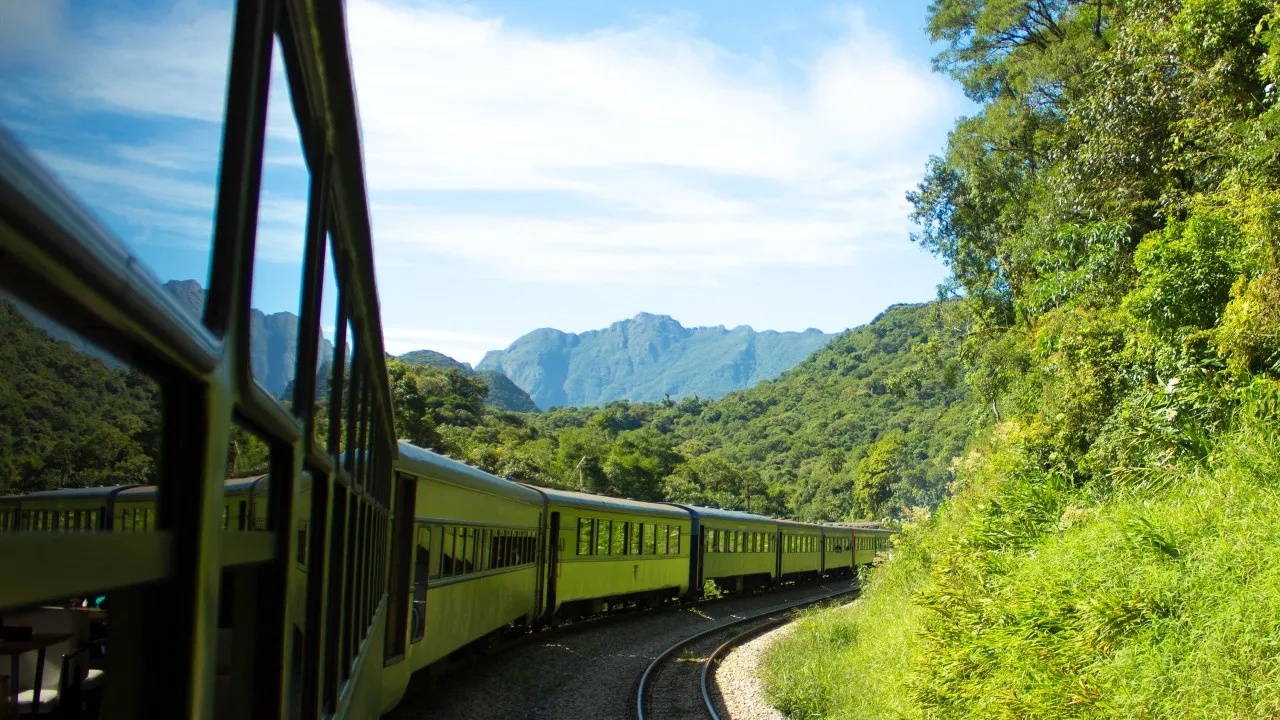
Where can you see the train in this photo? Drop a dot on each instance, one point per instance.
(480, 555)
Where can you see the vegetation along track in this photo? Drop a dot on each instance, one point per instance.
(677, 684)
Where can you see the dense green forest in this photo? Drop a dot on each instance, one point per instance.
(865, 428)
(68, 419)
(1110, 220)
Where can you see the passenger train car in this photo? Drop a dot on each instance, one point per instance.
(473, 554)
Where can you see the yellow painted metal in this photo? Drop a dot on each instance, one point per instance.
(587, 577)
(718, 564)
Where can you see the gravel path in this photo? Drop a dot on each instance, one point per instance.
(739, 692)
(576, 674)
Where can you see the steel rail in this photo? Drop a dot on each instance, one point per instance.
(642, 687)
(723, 650)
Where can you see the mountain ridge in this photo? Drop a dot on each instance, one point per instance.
(648, 357)
(503, 394)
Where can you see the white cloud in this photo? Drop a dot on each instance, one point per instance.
(647, 135)
(643, 155)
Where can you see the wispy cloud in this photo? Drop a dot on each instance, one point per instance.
(650, 129)
(642, 154)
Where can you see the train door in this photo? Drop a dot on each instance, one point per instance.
(777, 556)
(553, 563)
(696, 550)
(400, 599)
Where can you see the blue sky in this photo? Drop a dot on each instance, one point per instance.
(531, 163)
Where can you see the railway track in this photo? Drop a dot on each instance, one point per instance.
(677, 684)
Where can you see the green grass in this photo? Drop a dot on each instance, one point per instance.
(1026, 599)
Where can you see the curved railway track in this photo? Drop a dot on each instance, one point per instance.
(677, 684)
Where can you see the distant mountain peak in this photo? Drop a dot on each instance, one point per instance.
(646, 358)
(273, 338)
(503, 394)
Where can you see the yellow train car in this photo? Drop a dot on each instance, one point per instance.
(800, 546)
(475, 559)
(603, 551)
(868, 540)
(837, 551)
(738, 550)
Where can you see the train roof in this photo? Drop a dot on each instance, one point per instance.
(868, 526)
(604, 502)
(103, 491)
(420, 461)
(719, 514)
(798, 524)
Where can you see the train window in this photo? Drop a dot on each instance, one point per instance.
(584, 536)
(301, 550)
(276, 287)
(446, 551)
(132, 128)
(618, 544)
(673, 540)
(635, 538)
(650, 538)
(84, 418)
(604, 531)
(421, 571)
(325, 362)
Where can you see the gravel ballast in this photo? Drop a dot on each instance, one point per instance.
(740, 693)
(575, 674)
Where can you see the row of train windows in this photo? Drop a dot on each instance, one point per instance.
(837, 544)
(799, 543)
(873, 543)
(621, 537)
(241, 519)
(59, 520)
(737, 541)
(125, 519)
(467, 550)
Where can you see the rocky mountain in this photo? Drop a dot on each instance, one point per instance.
(647, 358)
(273, 338)
(503, 394)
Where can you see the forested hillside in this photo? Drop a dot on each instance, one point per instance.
(502, 393)
(866, 427)
(67, 418)
(1110, 221)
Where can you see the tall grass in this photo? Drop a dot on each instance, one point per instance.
(1028, 599)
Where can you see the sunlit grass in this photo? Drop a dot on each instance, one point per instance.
(1144, 604)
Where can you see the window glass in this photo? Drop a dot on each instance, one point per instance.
(277, 262)
(604, 531)
(584, 536)
(77, 417)
(125, 108)
(635, 538)
(618, 546)
(673, 539)
(661, 536)
(246, 491)
(328, 333)
(421, 569)
(650, 538)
